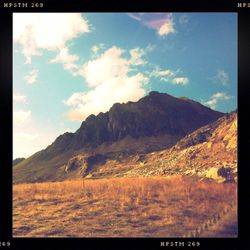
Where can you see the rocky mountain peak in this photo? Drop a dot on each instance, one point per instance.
(157, 121)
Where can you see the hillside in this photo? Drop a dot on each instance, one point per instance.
(17, 160)
(209, 152)
(155, 122)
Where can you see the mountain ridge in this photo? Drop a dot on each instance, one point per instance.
(151, 119)
(137, 119)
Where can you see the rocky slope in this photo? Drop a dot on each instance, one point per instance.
(209, 152)
(17, 160)
(155, 122)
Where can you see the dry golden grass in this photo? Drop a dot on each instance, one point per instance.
(118, 207)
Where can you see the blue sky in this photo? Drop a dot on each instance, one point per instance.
(67, 66)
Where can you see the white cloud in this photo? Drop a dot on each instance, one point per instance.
(19, 98)
(215, 98)
(50, 31)
(68, 60)
(221, 95)
(222, 77)
(163, 73)
(136, 56)
(166, 28)
(102, 97)
(109, 64)
(110, 82)
(180, 80)
(31, 77)
(137, 17)
(161, 22)
(170, 76)
(96, 48)
(21, 116)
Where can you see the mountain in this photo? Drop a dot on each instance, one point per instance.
(208, 152)
(155, 122)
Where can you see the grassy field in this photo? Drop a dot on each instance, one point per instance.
(118, 207)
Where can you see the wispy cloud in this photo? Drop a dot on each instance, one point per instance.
(161, 22)
(170, 76)
(114, 76)
(163, 73)
(31, 77)
(215, 98)
(97, 48)
(94, 49)
(68, 60)
(136, 57)
(166, 28)
(180, 80)
(135, 16)
(221, 77)
(51, 31)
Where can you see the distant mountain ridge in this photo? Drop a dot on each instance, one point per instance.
(157, 117)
